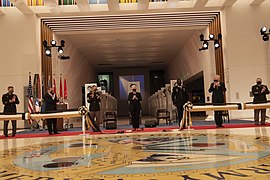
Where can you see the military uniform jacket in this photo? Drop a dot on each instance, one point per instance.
(179, 96)
(135, 104)
(10, 108)
(259, 96)
(217, 93)
(94, 102)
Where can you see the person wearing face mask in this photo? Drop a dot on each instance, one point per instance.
(50, 99)
(179, 98)
(217, 89)
(135, 99)
(259, 92)
(93, 98)
(10, 100)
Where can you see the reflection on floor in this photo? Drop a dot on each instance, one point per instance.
(195, 154)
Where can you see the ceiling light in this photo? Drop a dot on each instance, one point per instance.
(205, 44)
(48, 52)
(263, 30)
(45, 44)
(211, 36)
(60, 50)
(201, 37)
(216, 44)
(53, 43)
(265, 37)
(219, 36)
(62, 43)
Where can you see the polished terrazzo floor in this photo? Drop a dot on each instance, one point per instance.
(242, 153)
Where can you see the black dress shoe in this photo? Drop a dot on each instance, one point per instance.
(6, 135)
(219, 126)
(13, 135)
(57, 133)
(50, 133)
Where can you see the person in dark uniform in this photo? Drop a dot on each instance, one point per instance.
(179, 98)
(217, 89)
(93, 98)
(50, 100)
(259, 92)
(10, 100)
(135, 99)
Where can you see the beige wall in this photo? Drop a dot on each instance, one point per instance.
(246, 55)
(19, 49)
(78, 71)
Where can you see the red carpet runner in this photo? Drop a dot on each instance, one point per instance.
(157, 129)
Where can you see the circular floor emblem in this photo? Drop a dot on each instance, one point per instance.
(180, 155)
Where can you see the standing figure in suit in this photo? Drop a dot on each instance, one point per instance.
(50, 100)
(218, 90)
(135, 99)
(93, 98)
(179, 98)
(10, 101)
(259, 92)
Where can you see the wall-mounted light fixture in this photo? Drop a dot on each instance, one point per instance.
(48, 48)
(264, 33)
(211, 38)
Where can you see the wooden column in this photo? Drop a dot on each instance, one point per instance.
(215, 28)
(46, 61)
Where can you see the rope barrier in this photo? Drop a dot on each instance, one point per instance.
(189, 107)
(187, 120)
(80, 112)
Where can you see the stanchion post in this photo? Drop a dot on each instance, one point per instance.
(83, 112)
(188, 124)
(189, 119)
(83, 124)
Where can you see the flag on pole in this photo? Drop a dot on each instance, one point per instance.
(61, 89)
(49, 83)
(36, 93)
(43, 86)
(37, 105)
(65, 90)
(30, 106)
(35, 90)
(38, 88)
(54, 85)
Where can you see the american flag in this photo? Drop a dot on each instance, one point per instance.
(31, 106)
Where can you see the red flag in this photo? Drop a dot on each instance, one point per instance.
(54, 85)
(65, 89)
(61, 89)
